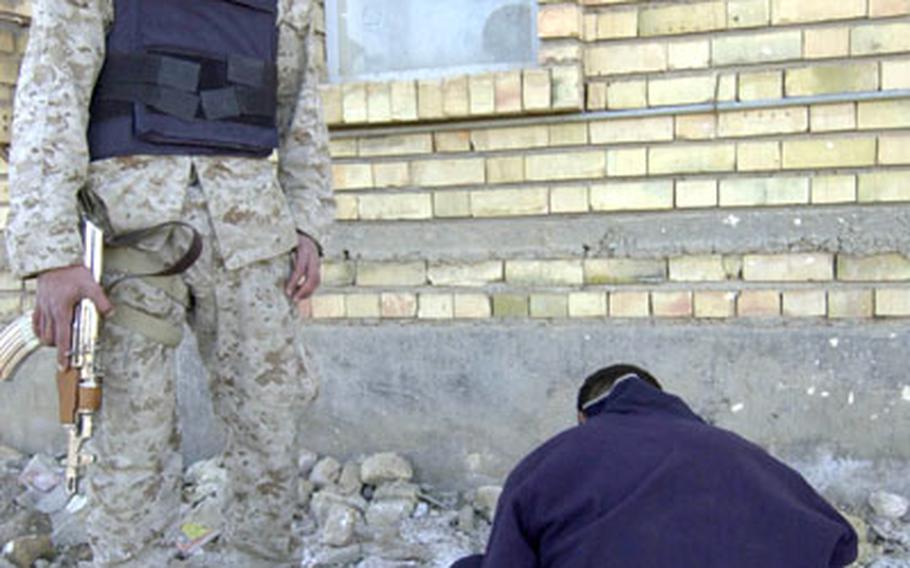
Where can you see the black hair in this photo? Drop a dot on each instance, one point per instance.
(603, 380)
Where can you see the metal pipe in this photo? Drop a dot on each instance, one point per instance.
(863, 96)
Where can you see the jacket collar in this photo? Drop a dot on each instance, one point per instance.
(635, 396)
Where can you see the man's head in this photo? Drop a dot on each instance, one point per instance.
(598, 384)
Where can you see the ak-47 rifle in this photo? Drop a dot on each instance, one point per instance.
(78, 386)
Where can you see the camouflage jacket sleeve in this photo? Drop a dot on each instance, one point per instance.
(49, 154)
(304, 168)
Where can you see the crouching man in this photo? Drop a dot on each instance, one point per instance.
(643, 481)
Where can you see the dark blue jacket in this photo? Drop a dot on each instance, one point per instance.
(645, 483)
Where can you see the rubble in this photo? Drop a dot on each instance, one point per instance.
(888, 505)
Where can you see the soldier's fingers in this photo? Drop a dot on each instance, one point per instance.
(46, 328)
(36, 322)
(312, 280)
(99, 298)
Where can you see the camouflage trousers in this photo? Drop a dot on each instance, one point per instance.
(246, 331)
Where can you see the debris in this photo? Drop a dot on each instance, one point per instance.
(888, 505)
(486, 499)
(385, 467)
(349, 480)
(193, 536)
(24, 551)
(306, 461)
(338, 528)
(325, 472)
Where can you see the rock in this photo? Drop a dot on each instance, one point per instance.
(306, 461)
(398, 490)
(346, 556)
(891, 562)
(396, 550)
(305, 489)
(325, 472)
(338, 529)
(24, 551)
(8, 455)
(466, 521)
(384, 468)
(349, 480)
(323, 501)
(422, 510)
(42, 474)
(486, 499)
(21, 522)
(392, 503)
(205, 478)
(888, 505)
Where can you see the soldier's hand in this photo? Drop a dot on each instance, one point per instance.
(59, 292)
(306, 275)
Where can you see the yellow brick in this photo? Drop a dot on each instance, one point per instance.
(327, 306)
(351, 176)
(758, 303)
(569, 134)
(549, 306)
(551, 53)
(616, 24)
(627, 94)
(757, 48)
(833, 189)
(755, 192)
(466, 273)
(763, 121)
(472, 306)
(391, 174)
(805, 303)
(430, 99)
(790, 12)
(623, 59)
(689, 54)
(335, 274)
(589, 27)
(884, 186)
(892, 302)
(715, 304)
(510, 138)
(894, 149)
(450, 204)
(833, 153)
(435, 173)
(362, 306)
(843, 304)
(332, 107)
(346, 208)
(569, 199)
(794, 267)
(559, 20)
(630, 305)
(396, 145)
(398, 305)
(509, 202)
(828, 118)
(587, 304)
(455, 101)
(885, 8)
(762, 85)
(696, 194)
(827, 79)
(482, 94)
(669, 19)
(624, 270)
(895, 74)
(506, 170)
(436, 306)
(391, 273)
(632, 196)
(566, 165)
(379, 102)
(354, 101)
(622, 162)
(726, 87)
(404, 101)
(508, 92)
(597, 96)
(510, 305)
(823, 43)
(748, 13)
(632, 130)
(881, 268)
(696, 126)
(671, 304)
(551, 272)
(880, 38)
(536, 89)
(343, 147)
(884, 114)
(395, 206)
(758, 156)
(706, 268)
(664, 92)
(567, 87)
(452, 141)
(691, 159)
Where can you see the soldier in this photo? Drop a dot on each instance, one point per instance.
(167, 111)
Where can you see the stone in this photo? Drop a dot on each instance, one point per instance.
(325, 472)
(347, 556)
(392, 503)
(338, 529)
(888, 505)
(385, 467)
(466, 521)
(323, 501)
(486, 499)
(204, 479)
(305, 489)
(306, 461)
(42, 474)
(8, 455)
(349, 481)
(24, 551)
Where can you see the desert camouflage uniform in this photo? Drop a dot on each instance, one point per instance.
(247, 212)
